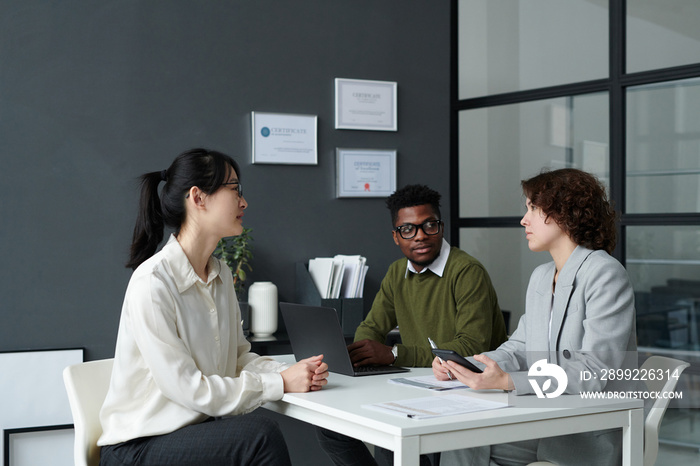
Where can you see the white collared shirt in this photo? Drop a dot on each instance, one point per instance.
(438, 265)
(179, 357)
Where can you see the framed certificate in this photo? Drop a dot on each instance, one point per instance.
(365, 172)
(280, 138)
(368, 105)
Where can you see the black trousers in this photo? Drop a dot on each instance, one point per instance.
(249, 439)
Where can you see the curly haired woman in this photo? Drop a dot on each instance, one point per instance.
(579, 315)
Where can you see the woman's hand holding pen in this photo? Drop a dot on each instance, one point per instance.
(440, 370)
(309, 374)
(434, 346)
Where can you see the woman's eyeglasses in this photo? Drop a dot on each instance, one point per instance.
(239, 187)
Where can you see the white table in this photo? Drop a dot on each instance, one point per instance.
(338, 407)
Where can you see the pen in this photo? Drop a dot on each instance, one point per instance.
(434, 346)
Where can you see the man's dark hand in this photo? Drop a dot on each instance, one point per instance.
(366, 352)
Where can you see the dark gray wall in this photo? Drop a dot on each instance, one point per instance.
(94, 93)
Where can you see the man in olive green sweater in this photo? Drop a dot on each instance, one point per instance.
(435, 291)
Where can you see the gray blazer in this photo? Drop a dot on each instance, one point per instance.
(592, 328)
(592, 322)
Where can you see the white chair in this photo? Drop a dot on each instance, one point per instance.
(653, 420)
(87, 385)
(671, 366)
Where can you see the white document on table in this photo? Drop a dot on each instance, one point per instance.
(428, 382)
(435, 406)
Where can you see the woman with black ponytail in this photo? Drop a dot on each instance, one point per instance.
(184, 378)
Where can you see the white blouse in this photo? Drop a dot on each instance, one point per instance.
(179, 359)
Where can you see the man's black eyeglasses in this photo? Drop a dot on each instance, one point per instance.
(239, 187)
(409, 230)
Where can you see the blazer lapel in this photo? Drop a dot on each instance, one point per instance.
(538, 347)
(562, 294)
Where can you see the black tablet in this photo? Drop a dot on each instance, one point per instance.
(452, 356)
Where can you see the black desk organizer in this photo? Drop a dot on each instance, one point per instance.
(350, 310)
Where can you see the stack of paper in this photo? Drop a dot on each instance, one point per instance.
(354, 276)
(339, 276)
(435, 406)
(429, 382)
(321, 271)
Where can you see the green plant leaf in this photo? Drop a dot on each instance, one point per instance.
(236, 253)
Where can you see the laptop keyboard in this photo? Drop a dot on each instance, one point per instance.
(369, 369)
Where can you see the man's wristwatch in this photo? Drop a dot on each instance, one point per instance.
(395, 352)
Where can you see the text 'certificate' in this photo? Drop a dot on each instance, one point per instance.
(368, 105)
(366, 173)
(284, 138)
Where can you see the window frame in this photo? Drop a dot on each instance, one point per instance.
(615, 85)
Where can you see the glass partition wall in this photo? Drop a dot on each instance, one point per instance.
(608, 86)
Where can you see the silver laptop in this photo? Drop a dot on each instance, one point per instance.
(316, 330)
